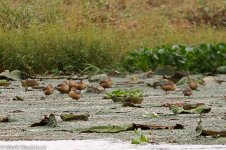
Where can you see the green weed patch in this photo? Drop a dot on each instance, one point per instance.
(198, 58)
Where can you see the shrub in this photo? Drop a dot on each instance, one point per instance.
(199, 58)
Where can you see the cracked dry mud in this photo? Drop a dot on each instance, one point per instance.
(106, 112)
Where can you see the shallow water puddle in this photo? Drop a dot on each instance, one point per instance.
(96, 144)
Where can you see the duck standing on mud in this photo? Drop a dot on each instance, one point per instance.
(168, 86)
(72, 84)
(29, 83)
(193, 85)
(81, 86)
(74, 94)
(106, 83)
(48, 90)
(187, 91)
(63, 88)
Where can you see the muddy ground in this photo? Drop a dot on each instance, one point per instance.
(106, 112)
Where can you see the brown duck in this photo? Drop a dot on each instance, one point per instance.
(72, 84)
(29, 83)
(48, 90)
(74, 94)
(168, 86)
(187, 91)
(63, 87)
(81, 86)
(193, 85)
(106, 83)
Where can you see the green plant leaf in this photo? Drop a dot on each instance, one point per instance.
(136, 140)
(144, 138)
(182, 81)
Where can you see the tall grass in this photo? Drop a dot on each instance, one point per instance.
(34, 50)
(35, 36)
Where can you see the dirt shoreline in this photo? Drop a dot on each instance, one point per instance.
(105, 112)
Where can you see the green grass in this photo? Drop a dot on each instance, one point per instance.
(37, 36)
(31, 50)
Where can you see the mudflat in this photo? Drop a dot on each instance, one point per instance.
(34, 105)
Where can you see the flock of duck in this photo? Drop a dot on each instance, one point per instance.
(73, 88)
(170, 86)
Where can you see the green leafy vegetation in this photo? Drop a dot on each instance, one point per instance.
(131, 96)
(197, 58)
(190, 109)
(71, 116)
(139, 137)
(150, 115)
(126, 93)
